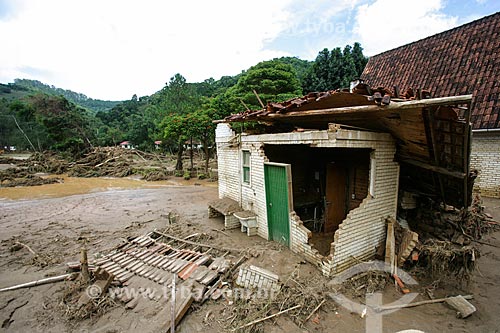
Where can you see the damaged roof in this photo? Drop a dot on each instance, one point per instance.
(432, 134)
(463, 60)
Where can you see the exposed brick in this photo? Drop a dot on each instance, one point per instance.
(364, 227)
(485, 157)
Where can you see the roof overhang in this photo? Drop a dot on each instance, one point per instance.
(433, 136)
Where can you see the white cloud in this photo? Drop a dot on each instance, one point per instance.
(113, 49)
(320, 24)
(386, 24)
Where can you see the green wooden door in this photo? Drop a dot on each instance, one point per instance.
(278, 223)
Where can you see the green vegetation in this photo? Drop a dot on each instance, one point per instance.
(37, 116)
(77, 98)
(335, 69)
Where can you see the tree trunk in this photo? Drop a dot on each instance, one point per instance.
(191, 155)
(206, 150)
(180, 150)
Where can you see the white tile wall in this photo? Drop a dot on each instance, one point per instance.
(364, 227)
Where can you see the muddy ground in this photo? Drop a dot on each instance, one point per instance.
(56, 227)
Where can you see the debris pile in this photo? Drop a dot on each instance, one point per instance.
(78, 302)
(443, 259)
(26, 172)
(46, 162)
(101, 162)
(446, 238)
(117, 162)
(299, 297)
(366, 282)
(12, 178)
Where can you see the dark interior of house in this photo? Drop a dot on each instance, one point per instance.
(327, 183)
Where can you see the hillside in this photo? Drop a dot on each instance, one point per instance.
(23, 87)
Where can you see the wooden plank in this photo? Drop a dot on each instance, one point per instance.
(415, 104)
(434, 168)
(209, 277)
(197, 244)
(184, 299)
(390, 245)
(167, 262)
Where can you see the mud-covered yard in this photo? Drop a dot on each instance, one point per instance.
(56, 228)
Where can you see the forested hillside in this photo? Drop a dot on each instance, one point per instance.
(37, 116)
(77, 98)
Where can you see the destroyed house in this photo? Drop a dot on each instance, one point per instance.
(463, 60)
(322, 173)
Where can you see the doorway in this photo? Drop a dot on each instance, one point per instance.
(277, 178)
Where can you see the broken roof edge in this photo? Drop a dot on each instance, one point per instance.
(411, 104)
(414, 104)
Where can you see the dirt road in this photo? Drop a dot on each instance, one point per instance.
(56, 228)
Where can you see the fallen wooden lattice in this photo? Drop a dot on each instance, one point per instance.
(156, 261)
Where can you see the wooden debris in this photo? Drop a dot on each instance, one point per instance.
(268, 317)
(220, 264)
(172, 304)
(390, 245)
(463, 307)
(84, 265)
(195, 243)
(183, 300)
(98, 288)
(52, 279)
(222, 278)
(314, 311)
(27, 247)
(411, 305)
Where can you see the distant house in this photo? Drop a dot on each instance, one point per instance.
(196, 144)
(126, 145)
(463, 60)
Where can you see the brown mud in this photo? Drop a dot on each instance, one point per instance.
(58, 219)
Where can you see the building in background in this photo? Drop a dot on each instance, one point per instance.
(463, 60)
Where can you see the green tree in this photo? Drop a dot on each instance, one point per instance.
(300, 66)
(66, 125)
(272, 80)
(202, 128)
(178, 99)
(334, 69)
(176, 129)
(359, 59)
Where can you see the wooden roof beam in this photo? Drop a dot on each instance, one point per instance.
(415, 104)
(434, 168)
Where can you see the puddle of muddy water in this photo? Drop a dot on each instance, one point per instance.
(74, 185)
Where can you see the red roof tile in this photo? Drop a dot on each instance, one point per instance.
(463, 60)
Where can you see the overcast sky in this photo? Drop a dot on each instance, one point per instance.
(112, 49)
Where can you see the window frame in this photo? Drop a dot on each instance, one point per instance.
(245, 166)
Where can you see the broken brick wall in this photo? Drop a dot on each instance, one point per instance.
(364, 227)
